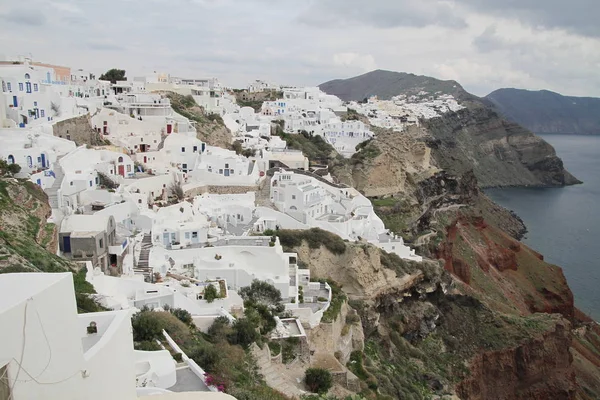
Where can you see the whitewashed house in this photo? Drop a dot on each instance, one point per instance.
(30, 99)
(49, 351)
(317, 203)
(179, 225)
(35, 152)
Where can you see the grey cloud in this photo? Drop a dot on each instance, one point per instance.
(382, 14)
(104, 46)
(488, 40)
(577, 16)
(30, 17)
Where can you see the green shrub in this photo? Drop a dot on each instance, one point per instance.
(352, 319)
(275, 348)
(182, 315)
(315, 238)
(244, 333)
(178, 357)
(219, 329)
(318, 380)
(147, 345)
(210, 293)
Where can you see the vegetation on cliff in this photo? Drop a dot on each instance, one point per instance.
(28, 243)
(210, 127)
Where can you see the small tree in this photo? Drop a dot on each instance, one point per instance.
(244, 333)
(7, 169)
(318, 380)
(261, 292)
(183, 315)
(113, 75)
(210, 293)
(177, 190)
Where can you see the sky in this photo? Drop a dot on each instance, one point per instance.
(482, 44)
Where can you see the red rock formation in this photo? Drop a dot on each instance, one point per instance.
(539, 369)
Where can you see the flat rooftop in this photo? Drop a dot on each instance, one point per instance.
(187, 381)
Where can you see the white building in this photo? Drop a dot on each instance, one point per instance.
(341, 210)
(47, 352)
(51, 352)
(344, 136)
(27, 94)
(35, 152)
(179, 225)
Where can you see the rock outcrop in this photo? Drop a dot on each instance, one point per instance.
(539, 368)
(499, 152)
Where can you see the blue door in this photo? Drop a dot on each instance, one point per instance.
(43, 160)
(28, 87)
(226, 172)
(67, 244)
(166, 239)
(39, 182)
(15, 102)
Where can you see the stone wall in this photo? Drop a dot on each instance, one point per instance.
(79, 130)
(196, 191)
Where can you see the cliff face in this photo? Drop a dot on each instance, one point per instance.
(27, 241)
(537, 369)
(499, 152)
(548, 112)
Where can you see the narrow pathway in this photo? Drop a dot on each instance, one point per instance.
(273, 375)
(143, 263)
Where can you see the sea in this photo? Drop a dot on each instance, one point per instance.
(564, 223)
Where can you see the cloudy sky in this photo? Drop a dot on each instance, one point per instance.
(483, 44)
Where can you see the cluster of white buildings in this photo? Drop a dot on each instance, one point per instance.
(158, 216)
(405, 110)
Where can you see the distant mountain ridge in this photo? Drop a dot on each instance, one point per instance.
(387, 84)
(548, 112)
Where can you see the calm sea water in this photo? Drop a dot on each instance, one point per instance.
(564, 223)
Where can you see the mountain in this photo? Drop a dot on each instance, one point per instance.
(387, 84)
(548, 112)
(500, 153)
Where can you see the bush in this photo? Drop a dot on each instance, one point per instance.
(318, 380)
(147, 345)
(352, 319)
(182, 315)
(315, 238)
(210, 293)
(148, 325)
(7, 169)
(219, 329)
(275, 348)
(244, 333)
(261, 292)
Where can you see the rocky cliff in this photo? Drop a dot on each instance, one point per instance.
(548, 112)
(499, 152)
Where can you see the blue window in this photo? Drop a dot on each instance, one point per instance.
(27, 76)
(48, 77)
(91, 184)
(97, 180)
(28, 87)
(35, 103)
(42, 113)
(21, 86)
(35, 87)
(8, 86)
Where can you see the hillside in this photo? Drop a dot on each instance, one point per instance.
(387, 84)
(500, 153)
(548, 112)
(29, 244)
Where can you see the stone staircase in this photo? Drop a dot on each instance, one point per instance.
(272, 373)
(143, 263)
(52, 191)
